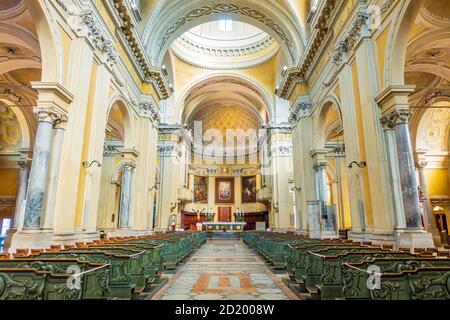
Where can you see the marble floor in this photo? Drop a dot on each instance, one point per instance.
(225, 270)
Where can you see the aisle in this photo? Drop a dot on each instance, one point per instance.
(225, 270)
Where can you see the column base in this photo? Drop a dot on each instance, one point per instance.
(436, 236)
(128, 232)
(326, 234)
(414, 239)
(283, 230)
(29, 239)
(383, 238)
(302, 232)
(358, 236)
(70, 238)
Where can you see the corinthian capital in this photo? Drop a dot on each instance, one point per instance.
(45, 114)
(129, 165)
(60, 121)
(396, 117)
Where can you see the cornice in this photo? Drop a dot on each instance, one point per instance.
(302, 108)
(298, 74)
(127, 27)
(228, 51)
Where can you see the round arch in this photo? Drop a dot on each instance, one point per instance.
(49, 40)
(398, 42)
(434, 39)
(117, 172)
(121, 103)
(231, 78)
(328, 103)
(181, 16)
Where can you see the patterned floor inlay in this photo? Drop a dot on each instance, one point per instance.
(225, 270)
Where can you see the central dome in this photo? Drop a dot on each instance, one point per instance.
(225, 30)
(225, 44)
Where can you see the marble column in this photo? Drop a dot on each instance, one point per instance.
(39, 168)
(391, 146)
(339, 152)
(406, 167)
(421, 165)
(24, 171)
(53, 173)
(125, 195)
(320, 172)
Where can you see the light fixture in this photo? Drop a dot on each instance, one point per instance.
(361, 164)
(298, 189)
(87, 164)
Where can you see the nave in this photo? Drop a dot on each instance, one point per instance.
(132, 129)
(225, 269)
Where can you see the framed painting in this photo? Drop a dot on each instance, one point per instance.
(249, 189)
(224, 190)
(200, 189)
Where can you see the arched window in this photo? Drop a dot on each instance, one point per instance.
(314, 4)
(136, 5)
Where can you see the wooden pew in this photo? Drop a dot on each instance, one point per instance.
(324, 267)
(93, 276)
(120, 283)
(414, 278)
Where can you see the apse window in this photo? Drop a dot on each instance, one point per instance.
(226, 25)
(5, 225)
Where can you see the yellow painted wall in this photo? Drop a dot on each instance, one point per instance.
(185, 74)
(67, 47)
(87, 134)
(9, 181)
(364, 173)
(438, 182)
(381, 45)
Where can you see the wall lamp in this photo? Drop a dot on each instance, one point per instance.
(361, 164)
(88, 164)
(154, 187)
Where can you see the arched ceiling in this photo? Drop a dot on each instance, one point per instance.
(428, 68)
(170, 19)
(20, 64)
(438, 8)
(222, 116)
(434, 129)
(8, 4)
(225, 90)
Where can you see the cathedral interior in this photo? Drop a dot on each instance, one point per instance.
(249, 145)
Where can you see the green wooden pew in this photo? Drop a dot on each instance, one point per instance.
(415, 278)
(297, 266)
(324, 267)
(120, 281)
(31, 284)
(93, 276)
(152, 258)
(137, 262)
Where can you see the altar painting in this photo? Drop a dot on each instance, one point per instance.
(224, 190)
(200, 189)
(249, 189)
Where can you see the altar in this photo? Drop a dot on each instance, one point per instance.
(224, 229)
